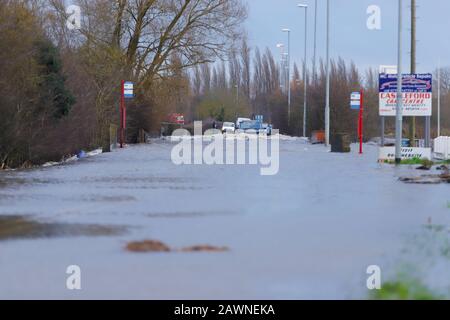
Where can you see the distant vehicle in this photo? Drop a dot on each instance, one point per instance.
(266, 128)
(240, 120)
(254, 126)
(176, 118)
(228, 127)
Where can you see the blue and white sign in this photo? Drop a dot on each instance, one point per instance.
(417, 92)
(355, 101)
(128, 88)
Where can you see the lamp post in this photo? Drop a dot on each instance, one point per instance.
(327, 99)
(399, 110)
(289, 73)
(304, 6)
(315, 41)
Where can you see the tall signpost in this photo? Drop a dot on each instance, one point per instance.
(415, 99)
(127, 92)
(357, 103)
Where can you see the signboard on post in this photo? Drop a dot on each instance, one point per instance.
(417, 94)
(388, 153)
(355, 101)
(128, 90)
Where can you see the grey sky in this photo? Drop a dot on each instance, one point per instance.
(350, 38)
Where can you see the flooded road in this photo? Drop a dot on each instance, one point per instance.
(308, 232)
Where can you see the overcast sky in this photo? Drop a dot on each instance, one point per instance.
(350, 37)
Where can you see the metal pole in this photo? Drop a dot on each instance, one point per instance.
(289, 77)
(412, 123)
(399, 116)
(305, 97)
(382, 132)
(427, 132)
(237, 99)
(327, 103)
(361, 122)
(439, 101)
(122, 114)
(315, 40)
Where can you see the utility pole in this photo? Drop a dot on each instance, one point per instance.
(315, 41)
(305, 72)
(327, 99)
(412, 123)
(399, 111)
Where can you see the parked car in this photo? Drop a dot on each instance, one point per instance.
(228, 127)
(240, 120)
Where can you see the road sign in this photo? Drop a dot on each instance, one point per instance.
(259, 118)
(355, 100)
(128, 90)
(417, 94)
(127, 93)
(357, 103)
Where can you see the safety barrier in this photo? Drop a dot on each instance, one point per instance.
(442, 148)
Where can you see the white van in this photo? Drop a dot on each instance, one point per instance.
(228, 127)
(240, 120)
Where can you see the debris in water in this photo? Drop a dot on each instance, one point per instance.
(205, 248)
(427, 179)
(147, 246)
(158, 246)
(424, 168)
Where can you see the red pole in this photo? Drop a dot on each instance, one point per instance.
(360, 125)
(122, 114)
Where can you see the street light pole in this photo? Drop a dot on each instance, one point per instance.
(399, 111)
(315, 40)
(304, 68)
(289, 74)
(327, 103)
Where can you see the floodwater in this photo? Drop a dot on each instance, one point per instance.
(308, 232)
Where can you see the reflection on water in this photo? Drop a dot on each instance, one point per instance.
(20, 227)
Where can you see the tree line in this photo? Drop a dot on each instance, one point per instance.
(60, 87)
